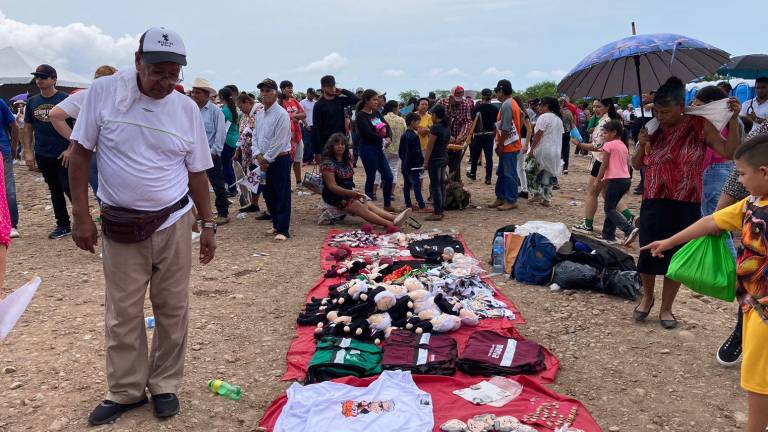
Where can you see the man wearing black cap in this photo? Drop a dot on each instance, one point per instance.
(48, 145)
(482, 139)
(328, 117)
(272, 151)
(508, 146)
(153, 154)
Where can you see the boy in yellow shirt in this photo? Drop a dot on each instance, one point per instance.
(750, 216)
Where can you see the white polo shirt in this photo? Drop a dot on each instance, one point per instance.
(146, 147)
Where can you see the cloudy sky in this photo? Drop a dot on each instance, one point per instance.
(387, 45)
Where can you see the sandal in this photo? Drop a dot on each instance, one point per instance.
(640, 315)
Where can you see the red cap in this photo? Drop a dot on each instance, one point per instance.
(180, 88)
(457, 89)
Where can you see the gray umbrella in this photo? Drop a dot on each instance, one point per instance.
(747, 66)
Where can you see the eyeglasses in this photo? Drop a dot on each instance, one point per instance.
(170, 77)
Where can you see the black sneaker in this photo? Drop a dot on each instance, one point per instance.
(60, 232)
(166, 405)
(487, 181)
(263, 216)
(523, 195)
(730, 351)
(109, 411)
(471, 176)
(250, 208)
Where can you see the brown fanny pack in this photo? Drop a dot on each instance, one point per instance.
(132, 226)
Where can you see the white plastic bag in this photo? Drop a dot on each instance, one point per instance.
(556, 232)
(15, 304)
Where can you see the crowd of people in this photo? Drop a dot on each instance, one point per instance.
(185, 143)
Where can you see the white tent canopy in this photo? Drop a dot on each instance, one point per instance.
(16, 68)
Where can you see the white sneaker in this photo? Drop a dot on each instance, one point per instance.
(270, 231)
(280, 238)
(15, 233)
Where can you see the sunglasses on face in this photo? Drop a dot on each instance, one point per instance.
(41, 77)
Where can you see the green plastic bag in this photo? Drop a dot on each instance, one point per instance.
(706, 266)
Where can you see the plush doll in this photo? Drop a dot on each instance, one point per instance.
(422, 300)
(401, 311)
(413, 284)
(376, 328)
(448, 254)
(398, 290)
(445, 305)
(331, 329)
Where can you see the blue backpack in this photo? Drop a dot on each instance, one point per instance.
(535, 261)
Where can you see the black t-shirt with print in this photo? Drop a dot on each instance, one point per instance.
(48, 142)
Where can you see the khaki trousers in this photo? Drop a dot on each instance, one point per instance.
(163, 262)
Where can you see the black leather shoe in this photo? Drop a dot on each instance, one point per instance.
(263, 216)
(109, 411)
(166, 405)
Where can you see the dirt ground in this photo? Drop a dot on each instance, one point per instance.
(243, 309)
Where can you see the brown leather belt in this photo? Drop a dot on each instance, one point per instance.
(285, 153)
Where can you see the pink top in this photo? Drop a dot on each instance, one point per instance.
(5, 218)
(711, 157)
(617, 156)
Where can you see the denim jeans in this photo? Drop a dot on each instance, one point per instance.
(227, 153)
(374, 161)
(306, 135)
(437, 184)
(93, 177)
(10, 190)
(615, 189)
(57, 178)
(506, 181)
(216, 177)
(277, 193)
(712, 183)
(412, 180)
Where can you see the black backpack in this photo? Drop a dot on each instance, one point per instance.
(603, 256)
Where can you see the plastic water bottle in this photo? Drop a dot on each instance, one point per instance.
(498, 254)
(150, 322)
(225, 389)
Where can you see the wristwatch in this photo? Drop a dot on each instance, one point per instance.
(209, 224)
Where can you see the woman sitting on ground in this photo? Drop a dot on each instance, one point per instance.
(338, 186)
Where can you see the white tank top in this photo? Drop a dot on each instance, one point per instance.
(391, 403)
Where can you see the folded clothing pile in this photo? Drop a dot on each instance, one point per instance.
(489, 353)
(427, 353)
(338, 357)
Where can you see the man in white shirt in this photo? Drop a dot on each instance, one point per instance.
(152, 154)
(757, 108)
(272, 149)
(70, 108)
(308, 104)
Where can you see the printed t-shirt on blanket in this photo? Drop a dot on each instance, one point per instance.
(392, 402)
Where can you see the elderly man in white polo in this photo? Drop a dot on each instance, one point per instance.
(152, 155)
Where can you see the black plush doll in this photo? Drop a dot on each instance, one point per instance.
(446, 306)
(401, 311)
